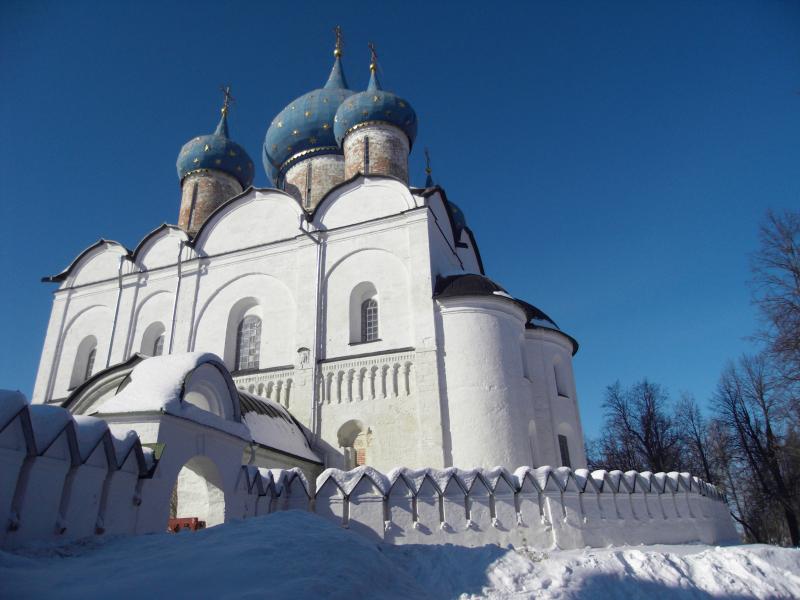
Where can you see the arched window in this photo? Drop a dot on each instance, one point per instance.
(369, 320)
(153, 339)
(248, 343)
(563, 446)
(158, 346)
(90, 363)
(562, 380)
(83, 367)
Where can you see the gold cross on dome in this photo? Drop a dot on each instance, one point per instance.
(337, 51)
(373, 57)
(229, 99)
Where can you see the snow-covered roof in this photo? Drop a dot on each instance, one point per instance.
(271, 425)
(158, 384)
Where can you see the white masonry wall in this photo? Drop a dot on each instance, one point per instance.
(416, 393)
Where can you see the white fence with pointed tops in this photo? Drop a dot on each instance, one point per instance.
(64, 477)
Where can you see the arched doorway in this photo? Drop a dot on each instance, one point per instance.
(197, 494)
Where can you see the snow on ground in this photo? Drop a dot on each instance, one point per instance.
(301, 556)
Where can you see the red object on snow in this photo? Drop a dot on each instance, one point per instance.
(190, 523)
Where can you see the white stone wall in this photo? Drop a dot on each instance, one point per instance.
(66, 477)
(541, 508)
(259, 255)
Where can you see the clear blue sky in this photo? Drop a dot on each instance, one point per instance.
(613, 158)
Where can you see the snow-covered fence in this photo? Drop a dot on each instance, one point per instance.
(65, 477)
(542, 507)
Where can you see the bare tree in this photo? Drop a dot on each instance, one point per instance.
(694, 433)
(776, 287)
(752, 404)
(638, 432)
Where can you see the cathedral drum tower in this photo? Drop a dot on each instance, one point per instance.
(300, 154)
(212, 169)
(376, 130)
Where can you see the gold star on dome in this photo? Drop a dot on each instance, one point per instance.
(288, 148)
(206, 148)
(280, 123)
(313, 140)
(292, 107)
(365, 112)
(376, 98)
(196, 160)
(307, 114)
(326, 126)
(325, 100)
(295, 132)
(218, 161)
(232, 152)
(402, 104)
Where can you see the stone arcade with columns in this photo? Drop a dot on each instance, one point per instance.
(340, 319)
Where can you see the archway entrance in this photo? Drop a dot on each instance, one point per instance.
(198, 500)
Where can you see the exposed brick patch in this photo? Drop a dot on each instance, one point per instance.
(201, 194)
(387, 151)
(326, 171)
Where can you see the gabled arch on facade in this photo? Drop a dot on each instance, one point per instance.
(349, 282)
(362, 198)
(69, 369)
(230, 226)
(98, 262)
(160, 247)
(220, 314)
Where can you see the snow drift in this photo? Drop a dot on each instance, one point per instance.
(298, 555)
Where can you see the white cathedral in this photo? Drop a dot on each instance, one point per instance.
(350, 309)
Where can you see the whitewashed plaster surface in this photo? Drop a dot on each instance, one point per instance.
(418, 392)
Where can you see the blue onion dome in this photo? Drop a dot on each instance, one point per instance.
(218, 152)
(305, 126)
(375, 105)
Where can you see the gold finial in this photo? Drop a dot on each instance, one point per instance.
(427, 162)
(337, 51)
(373, 58)
(229, 99)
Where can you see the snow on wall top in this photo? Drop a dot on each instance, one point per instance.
(11, 402)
